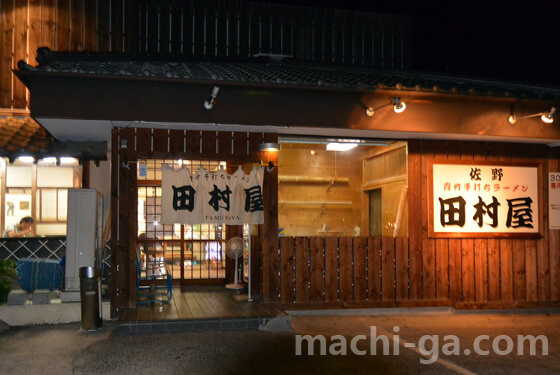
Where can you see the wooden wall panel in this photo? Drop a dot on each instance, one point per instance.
(345, 269)
(6, 49)
(77, 25)
(374, 268)
(401, 268)
(388, 268)
(302, 269)
(316, 246)
(331, 269)
(428, 244)
(442, 268)
(287, 270)
(19, 51)
(360, 269)
(415, 212)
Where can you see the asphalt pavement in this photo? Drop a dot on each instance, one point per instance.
(436, 343)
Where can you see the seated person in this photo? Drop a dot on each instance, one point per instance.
(23, 229)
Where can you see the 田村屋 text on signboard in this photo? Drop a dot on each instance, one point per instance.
(474, 199)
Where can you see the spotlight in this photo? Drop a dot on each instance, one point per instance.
(545, 116)
(398, 105)
(209, 104)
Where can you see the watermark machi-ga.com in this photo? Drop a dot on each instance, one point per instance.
(428, 346)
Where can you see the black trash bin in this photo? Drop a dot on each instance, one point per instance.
(90, 295)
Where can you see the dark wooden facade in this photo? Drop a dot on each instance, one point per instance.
(194, 29)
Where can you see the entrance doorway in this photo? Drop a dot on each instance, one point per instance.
(192, 254)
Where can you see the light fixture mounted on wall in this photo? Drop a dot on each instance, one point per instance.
(545, 116)
(398, 106)
(270, 147)
(211, 101)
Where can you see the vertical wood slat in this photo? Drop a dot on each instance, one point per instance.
(103, 26)
(553, 239)
(388, 268)
(192, 138)
(287, 270)
(455, 253)
(467, 269)
(374, 268)
(287, 47)
(225, 140)
(428, 244)
(232, 43)
(494, 288)
(77, 24)
(331, 269)
(117, 26)
(480, 245)
(240, 143)
(35, 30)
(62, 25)
(209, 144)
(531, 270)
(481, 270)
(360, 272)
(316, 245)
(164, 29)
(244, 27)
(90, 25)
(493, 258)
(345, 269)
(442, 268)
(302, 269)
(161, 140)
(176, 142)
(415, 211)
(519, 267)
(543, 270)
(6, 51)
(132, 34)
(506, 245)
(152, 26)
(143, 141)
(401, 259)
(467, 252)
(19, 49)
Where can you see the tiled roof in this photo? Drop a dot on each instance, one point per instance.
(22, 134)
(279, 72)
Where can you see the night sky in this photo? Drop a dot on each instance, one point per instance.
(514, 41)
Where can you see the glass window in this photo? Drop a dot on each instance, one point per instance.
(322, 192)
(39, 190)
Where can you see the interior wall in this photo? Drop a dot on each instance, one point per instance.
(327, 199)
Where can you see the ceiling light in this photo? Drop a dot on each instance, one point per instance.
(67, 160)
(26, 159)
(269, 147)
(335, 146)
(50, 159)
